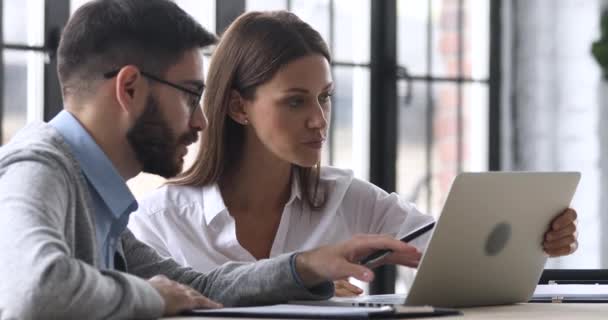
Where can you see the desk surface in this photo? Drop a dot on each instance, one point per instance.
(532, 311)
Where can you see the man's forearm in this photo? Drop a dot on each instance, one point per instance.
(232, 284)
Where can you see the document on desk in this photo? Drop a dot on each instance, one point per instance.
(318, 312)
(571, 293)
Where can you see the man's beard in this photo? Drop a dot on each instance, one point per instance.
(155, 144)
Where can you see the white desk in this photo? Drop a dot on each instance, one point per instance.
(532, 311)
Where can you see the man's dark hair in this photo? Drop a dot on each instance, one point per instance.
(105, 35)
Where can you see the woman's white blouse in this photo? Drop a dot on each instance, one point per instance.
(193, 225)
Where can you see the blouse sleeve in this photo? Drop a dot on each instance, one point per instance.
(369, 209)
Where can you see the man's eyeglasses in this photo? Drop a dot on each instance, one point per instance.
(194, 98)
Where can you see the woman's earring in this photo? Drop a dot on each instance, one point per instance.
(246, 121)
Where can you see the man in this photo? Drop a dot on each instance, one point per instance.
(131, 76)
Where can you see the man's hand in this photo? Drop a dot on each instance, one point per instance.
(560, 239)
(179, 297)
(346, 289)
(342, 260)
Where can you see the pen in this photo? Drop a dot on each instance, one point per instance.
(407, 238)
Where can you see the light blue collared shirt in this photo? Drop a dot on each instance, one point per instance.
(113, 202)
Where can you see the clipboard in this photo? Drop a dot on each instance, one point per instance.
(291, 311)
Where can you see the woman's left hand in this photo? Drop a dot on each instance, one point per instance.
(560, 240)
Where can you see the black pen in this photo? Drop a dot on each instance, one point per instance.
(407, 238)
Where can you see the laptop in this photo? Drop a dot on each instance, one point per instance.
(486, 248)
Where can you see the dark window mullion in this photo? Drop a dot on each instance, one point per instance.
(494, 129)
(13, 46)
(56, 13)
(383, 114)
(447, 79)
(226, 12)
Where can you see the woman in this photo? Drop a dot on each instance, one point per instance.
(256, 189)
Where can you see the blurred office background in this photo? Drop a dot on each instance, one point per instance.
(425, 89)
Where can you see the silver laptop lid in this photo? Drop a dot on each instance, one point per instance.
(487, 245)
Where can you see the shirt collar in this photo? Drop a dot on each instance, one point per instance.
(96, 166)
(296, 192)
(213, 203)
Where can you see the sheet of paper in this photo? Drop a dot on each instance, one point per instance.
(599, 291)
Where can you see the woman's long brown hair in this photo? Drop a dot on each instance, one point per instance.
(250, 52)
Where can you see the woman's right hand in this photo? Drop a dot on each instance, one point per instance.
(346, 289)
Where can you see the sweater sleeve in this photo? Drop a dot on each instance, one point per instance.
(39, 276)
(268, 281)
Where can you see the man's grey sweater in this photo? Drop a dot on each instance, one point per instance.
(49, 267)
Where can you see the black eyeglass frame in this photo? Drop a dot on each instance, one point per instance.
(197, 95)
